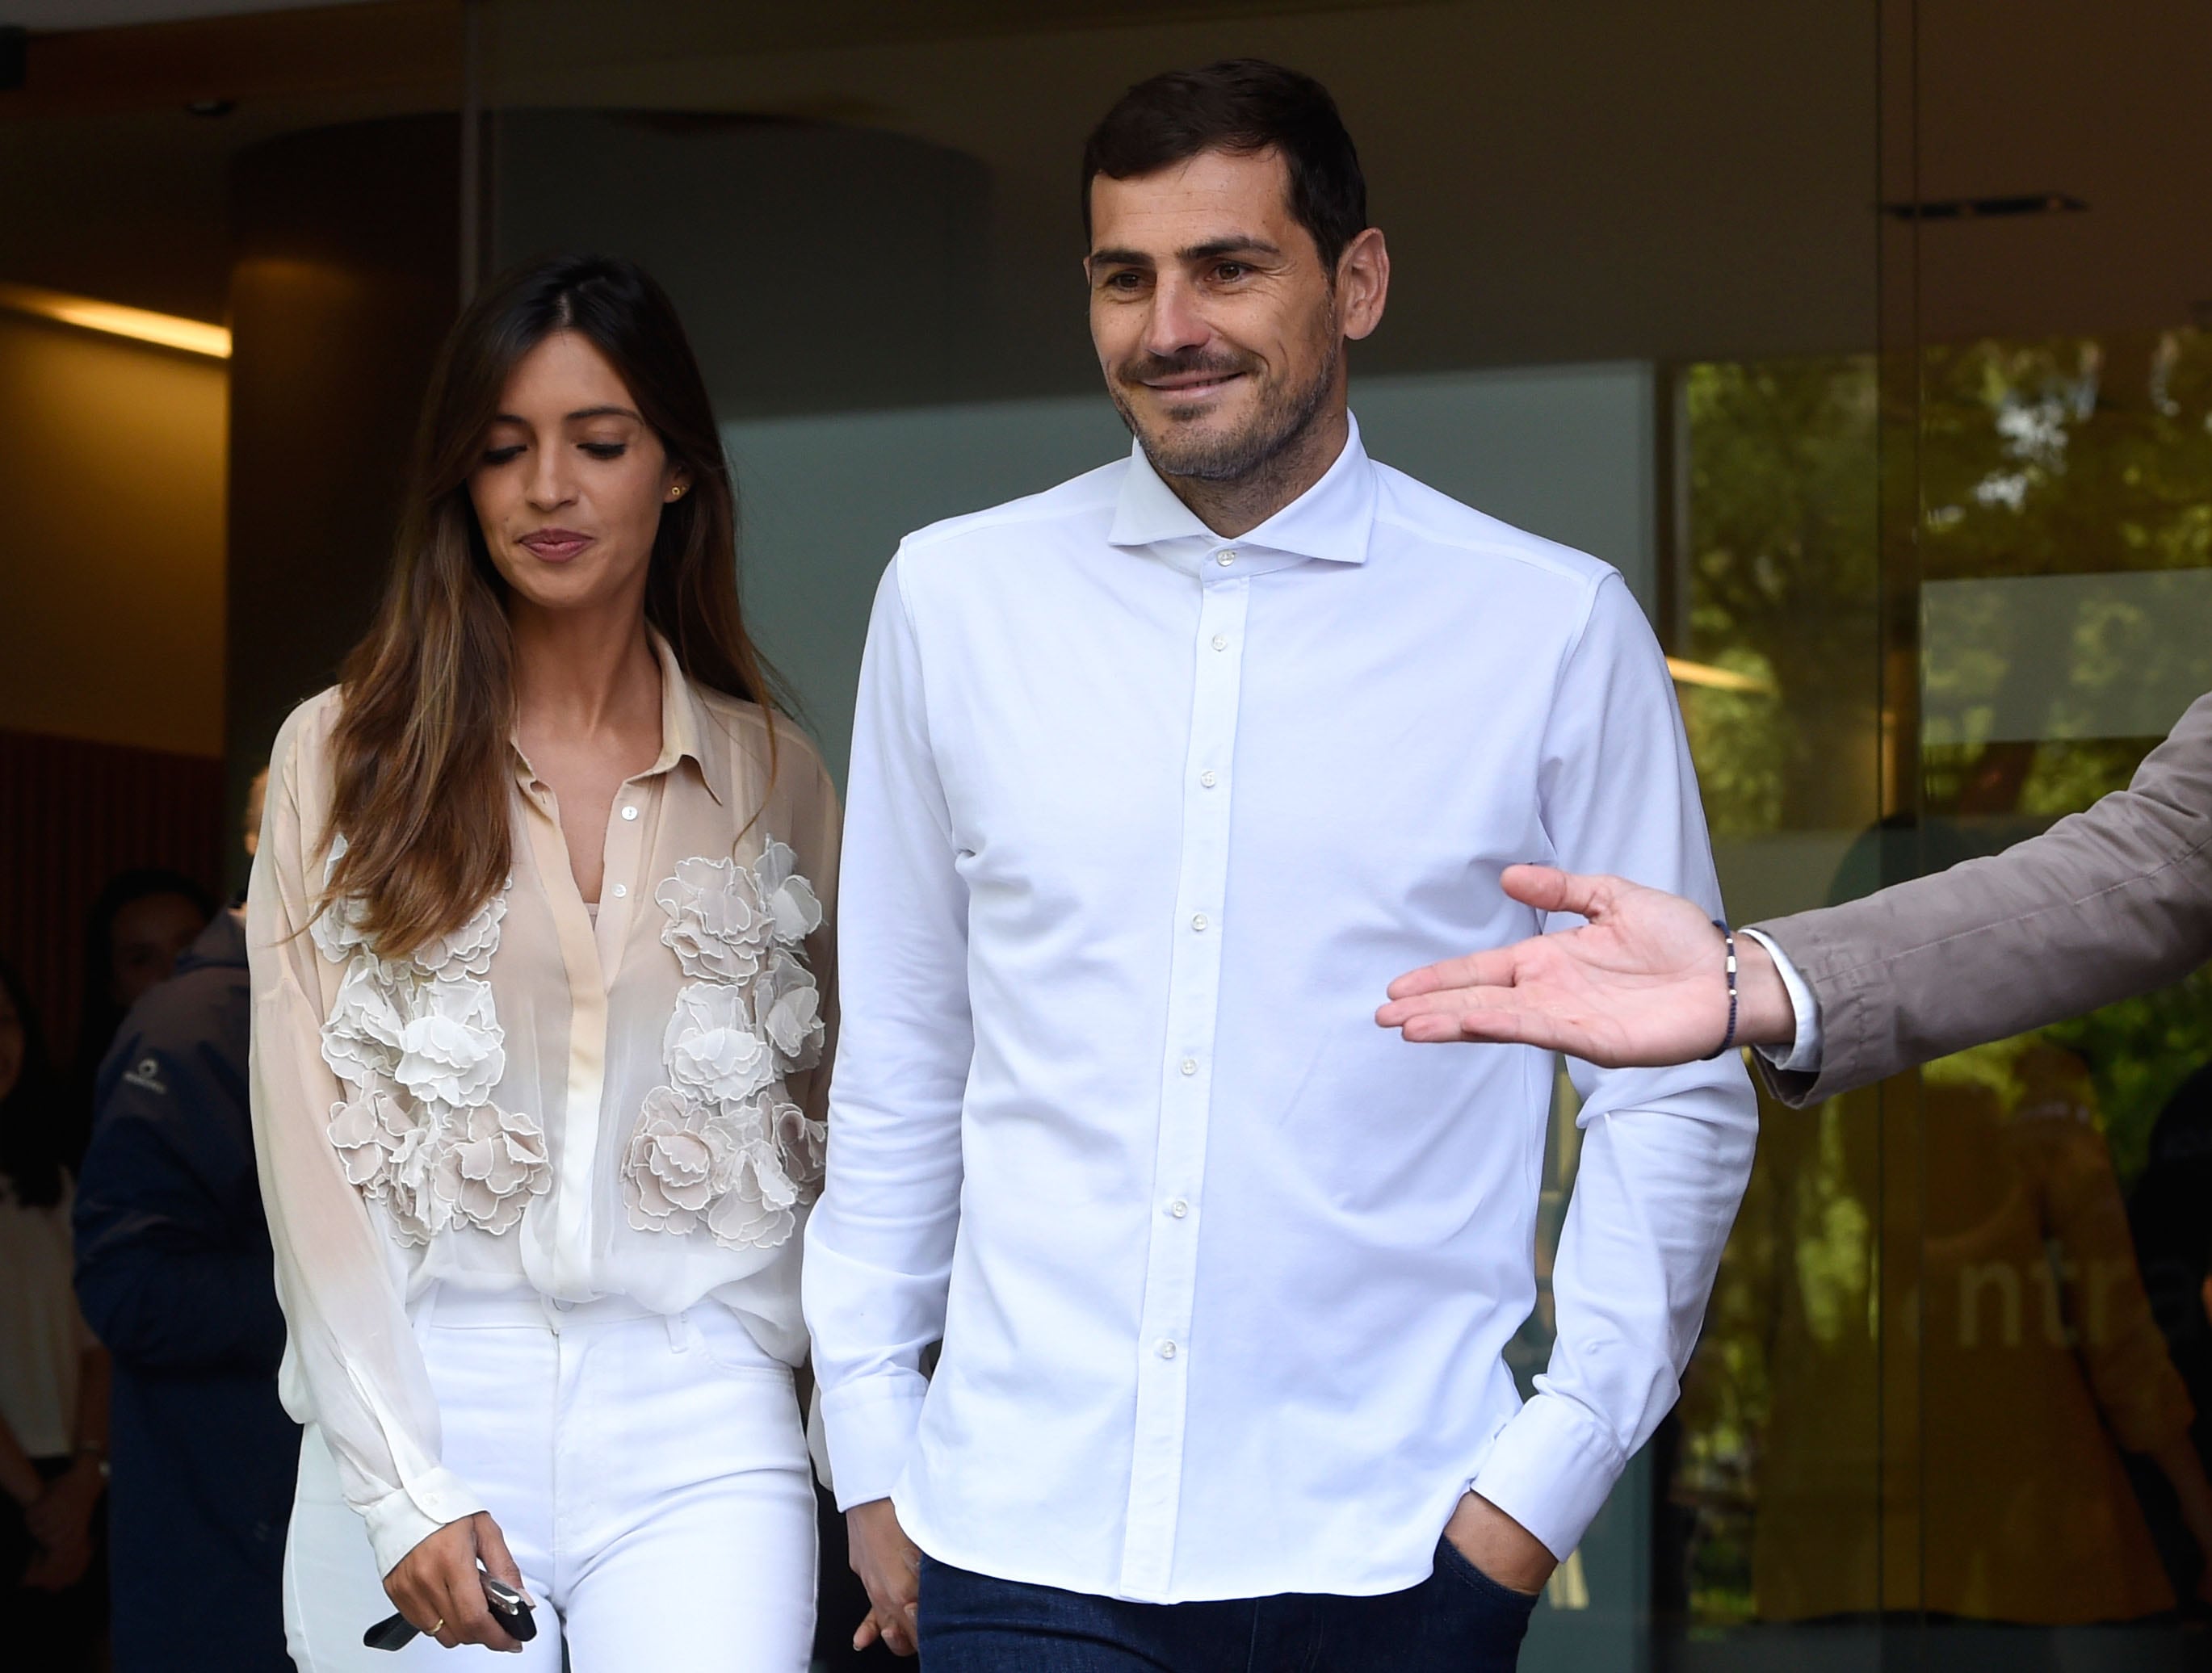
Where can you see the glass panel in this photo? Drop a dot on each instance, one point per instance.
(2065, 552)
(1773, 1509)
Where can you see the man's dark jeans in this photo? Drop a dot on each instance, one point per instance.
(1457, 1621)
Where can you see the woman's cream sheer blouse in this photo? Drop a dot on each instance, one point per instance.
(628, 1107)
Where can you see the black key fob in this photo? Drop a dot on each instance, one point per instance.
(392, 1633)
(513, 1609)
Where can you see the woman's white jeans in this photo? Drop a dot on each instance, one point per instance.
(650, 1474)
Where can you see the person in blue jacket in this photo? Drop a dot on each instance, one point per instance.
(175, 1275)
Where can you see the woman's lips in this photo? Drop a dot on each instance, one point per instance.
(554, 545)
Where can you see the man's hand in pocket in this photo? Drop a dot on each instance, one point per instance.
(1500, 1546)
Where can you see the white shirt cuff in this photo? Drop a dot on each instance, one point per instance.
(407, 1516)
(1550, 1469)
(1804, 1057)
(870, 1426)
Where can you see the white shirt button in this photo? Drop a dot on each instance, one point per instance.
(1199, 922)
(621, 890)
(1221, 641)
(1178, 1207)
(1207, 780)
(1166, 1350)
(1225, 558)
(630, 813)
(1190, 1065)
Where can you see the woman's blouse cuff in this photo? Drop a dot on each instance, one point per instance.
(407, 1516)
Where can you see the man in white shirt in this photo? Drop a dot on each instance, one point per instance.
(1157, 775)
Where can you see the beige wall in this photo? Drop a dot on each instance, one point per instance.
(111, 473)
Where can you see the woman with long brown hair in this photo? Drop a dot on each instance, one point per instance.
(541, 961)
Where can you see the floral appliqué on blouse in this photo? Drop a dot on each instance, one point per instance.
(417, 1040)
(721, 1145)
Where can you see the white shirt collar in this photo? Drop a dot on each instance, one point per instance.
(1332, 519)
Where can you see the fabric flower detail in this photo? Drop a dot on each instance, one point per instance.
(452, 1049)
(716, 927)
(361, 1035)
(710, 1047)
(501, 1162)
(417, 1212)
(390, 1160)
(369, 1133)
(466, 951)
(802, 1144)
(336, 930)
(756, 1211)
(785, 897)
(681, 1156)
(787, 1008)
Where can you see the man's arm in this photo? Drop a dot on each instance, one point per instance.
(2105, 905)
(879, 1244)
(1665, 1153)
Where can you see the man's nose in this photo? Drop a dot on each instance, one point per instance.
(1175, 322)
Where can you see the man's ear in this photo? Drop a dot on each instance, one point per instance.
(1363, 284)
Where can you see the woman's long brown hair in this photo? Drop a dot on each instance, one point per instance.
(421, 771)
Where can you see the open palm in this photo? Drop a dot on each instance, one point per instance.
(1641, 984)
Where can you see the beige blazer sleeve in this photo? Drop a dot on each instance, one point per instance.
(2103, 906)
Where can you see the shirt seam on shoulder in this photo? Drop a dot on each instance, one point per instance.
(1507, 550)
(1025, 510)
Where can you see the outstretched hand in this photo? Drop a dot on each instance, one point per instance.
(1642, 984)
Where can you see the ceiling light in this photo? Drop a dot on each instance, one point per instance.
(194, 336)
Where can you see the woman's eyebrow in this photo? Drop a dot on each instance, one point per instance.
(580, 412)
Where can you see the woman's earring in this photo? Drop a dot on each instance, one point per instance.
(675, 493)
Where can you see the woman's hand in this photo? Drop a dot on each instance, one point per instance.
(436, 1586)
(62, 1514)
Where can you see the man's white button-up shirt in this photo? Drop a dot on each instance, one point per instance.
(1140, 826)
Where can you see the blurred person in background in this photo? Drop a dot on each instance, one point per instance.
(141, 922)
(53, 1375)
(174, 1273)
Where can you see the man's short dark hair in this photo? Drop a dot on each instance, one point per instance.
(1242, 106)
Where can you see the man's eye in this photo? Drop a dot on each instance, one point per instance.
(1122, 282)
(503, 455)
(1230, 270)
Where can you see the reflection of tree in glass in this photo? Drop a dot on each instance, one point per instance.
(1782, 571)
(2068, 456)
(2053, 459)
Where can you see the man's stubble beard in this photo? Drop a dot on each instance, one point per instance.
(1248, 454)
